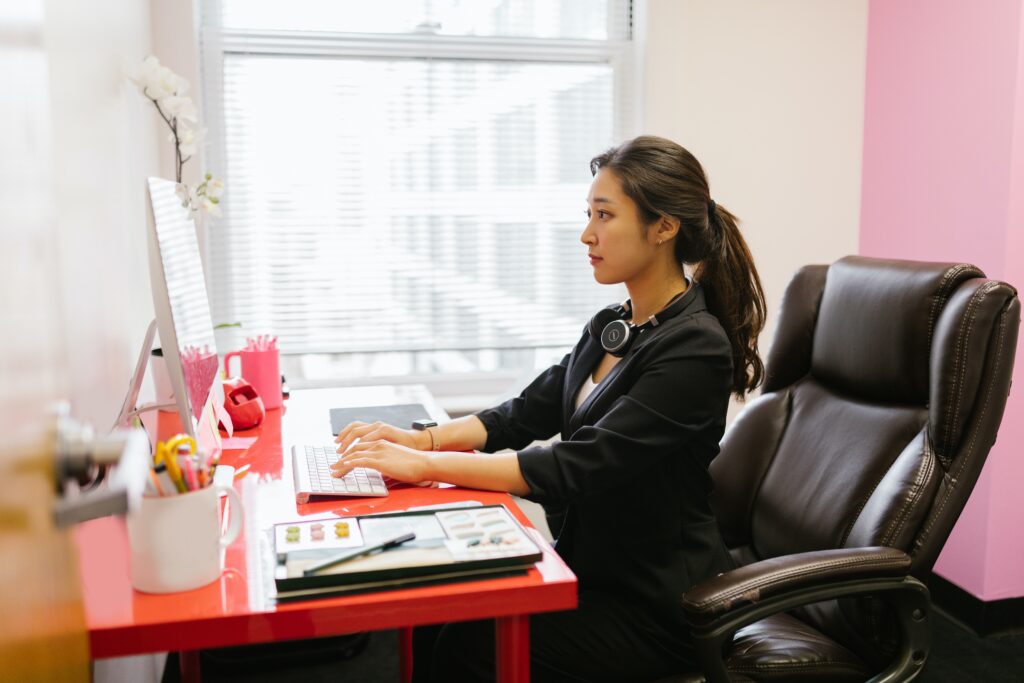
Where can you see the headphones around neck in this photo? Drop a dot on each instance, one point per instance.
(612, 328)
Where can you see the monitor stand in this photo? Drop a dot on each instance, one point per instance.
(207, 435)
(129, 411)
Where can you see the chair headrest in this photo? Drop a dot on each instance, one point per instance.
(875, 326)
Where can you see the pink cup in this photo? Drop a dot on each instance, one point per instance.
(262, 370)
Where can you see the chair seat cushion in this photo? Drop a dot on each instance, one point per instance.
(782, 647)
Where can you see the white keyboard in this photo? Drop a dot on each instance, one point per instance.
(312, 468)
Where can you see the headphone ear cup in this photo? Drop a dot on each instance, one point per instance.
(601, 320)
(616, 337)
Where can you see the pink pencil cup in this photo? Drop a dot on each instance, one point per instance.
(262, 370)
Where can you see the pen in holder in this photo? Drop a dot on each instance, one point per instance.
(175, 534)
(176, 541)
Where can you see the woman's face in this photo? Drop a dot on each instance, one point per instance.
(618, 245)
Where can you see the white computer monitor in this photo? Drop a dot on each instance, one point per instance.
(182, 309)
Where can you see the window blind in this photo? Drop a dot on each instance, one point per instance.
(406, 182)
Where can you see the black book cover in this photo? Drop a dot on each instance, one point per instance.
(450, 545)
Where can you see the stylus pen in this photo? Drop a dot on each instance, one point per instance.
(358, 552)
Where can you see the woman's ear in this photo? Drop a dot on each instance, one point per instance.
(665, 229)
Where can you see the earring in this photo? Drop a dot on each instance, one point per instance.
(659, 242)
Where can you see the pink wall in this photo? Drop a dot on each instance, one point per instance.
(943, 179)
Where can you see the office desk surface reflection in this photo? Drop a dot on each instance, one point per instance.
(237, 608)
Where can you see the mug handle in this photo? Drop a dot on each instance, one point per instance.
(227, 362)
(235, 514)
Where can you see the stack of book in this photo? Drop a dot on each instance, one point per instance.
(344, 555)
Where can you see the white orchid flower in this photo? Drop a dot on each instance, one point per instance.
(168, 90)
(177, 107)
(208, 206)
(189, 140)
(164, 84)
(214, 188)
(186, 194)
(145, 75)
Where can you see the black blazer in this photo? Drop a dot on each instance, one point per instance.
(626, 489)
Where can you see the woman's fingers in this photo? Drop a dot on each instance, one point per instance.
(356, 431)
(346, 430)
(374, 431)
(362, 449)
(356, 449)
(391, 460)
(341, 469)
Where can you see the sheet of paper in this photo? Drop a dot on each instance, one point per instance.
(237, 443)
(378, 529)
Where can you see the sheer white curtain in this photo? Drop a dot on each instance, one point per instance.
(406, 180)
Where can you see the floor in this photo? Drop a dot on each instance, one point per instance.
(957, 655)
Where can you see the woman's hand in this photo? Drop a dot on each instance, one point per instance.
(392, 460)
(378, 431)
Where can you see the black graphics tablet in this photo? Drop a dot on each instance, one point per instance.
(398, 415)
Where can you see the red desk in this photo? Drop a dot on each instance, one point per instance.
(237, 609)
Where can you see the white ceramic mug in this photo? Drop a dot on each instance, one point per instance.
(176, 541)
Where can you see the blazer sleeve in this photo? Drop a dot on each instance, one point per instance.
(680, 396)
(534, 414)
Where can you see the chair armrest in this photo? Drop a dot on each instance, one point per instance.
(720, 606)
(760, 581)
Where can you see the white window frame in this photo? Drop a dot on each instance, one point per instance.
(470, 390)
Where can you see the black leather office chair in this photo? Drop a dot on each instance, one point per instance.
(838, 486)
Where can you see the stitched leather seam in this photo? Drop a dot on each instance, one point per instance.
(876, 561)
(926, 473)
(988, 287)
(860, 508)
(856, 514)
(977, 297)
(956, 371)
(977, 427)
(939, 298)
(775, 453)
(922, 474)
(948, 282)
(941, 295)
(761, 668)
(960, 360)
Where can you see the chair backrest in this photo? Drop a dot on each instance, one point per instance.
(885, 386)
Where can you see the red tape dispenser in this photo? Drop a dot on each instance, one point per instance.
(243, 404)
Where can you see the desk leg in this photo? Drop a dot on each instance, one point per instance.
(405, 654)
(188, 661)
(513, 648)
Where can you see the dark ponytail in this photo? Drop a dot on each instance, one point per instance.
(735, 297)
(666, 180)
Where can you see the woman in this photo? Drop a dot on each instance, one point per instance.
(626, 489)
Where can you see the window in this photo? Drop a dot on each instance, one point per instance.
(406, 180)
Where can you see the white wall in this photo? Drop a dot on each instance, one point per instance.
(175, 42)
(77, 146)
(104, 146)
(770, 97)
(30, 339)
